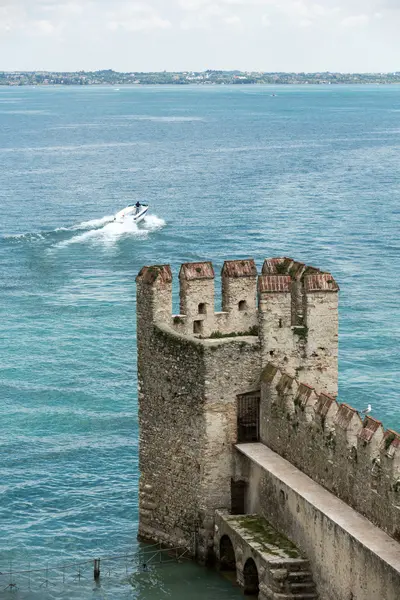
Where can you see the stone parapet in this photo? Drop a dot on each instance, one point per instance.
(193, 366)
(293, 308)
(349, 556)
(348, 453)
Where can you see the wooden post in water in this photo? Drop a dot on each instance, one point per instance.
(96, 569)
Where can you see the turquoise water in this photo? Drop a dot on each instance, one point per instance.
(229, 172)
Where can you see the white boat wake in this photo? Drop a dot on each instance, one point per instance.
(107, 232)
(94, 223)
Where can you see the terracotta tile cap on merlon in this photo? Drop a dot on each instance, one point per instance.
(345, 414)
(274, 284)
(321, 282)
(324, 403)
(155, 273)
(239, 268)
(370, 427)
(285, 383)
(198, 270)
(390, 442)
(269, 372)
(277, 266)
(304, 393)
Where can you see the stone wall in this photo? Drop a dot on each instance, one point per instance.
(187, 431)
(281, 571)
(275, 330)
(354, 458)
(231, 367)
(350, 558)
(172, 439)
(192, 367)
(298, 312)
(187, 416)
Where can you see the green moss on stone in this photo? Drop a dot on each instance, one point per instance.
(177, 343)
(264, 534)
(389, 440)
(281, 268)
(218, 335)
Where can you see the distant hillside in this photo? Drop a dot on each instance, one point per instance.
(110, 77)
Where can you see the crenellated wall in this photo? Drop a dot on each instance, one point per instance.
(197, 299)
(204, 376)
(298, 312)
(187, 410)
(192, 367)
(291, 307)
(352, 457)
(350, 558)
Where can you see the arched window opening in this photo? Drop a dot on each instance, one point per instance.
(202, 308)
(227, 559)
(250, 577)
(242, 305)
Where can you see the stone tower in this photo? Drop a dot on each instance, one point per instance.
(193, 366)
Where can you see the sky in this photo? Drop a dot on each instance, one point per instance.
(180, 35)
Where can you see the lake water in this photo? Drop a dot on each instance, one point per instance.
(230, 172)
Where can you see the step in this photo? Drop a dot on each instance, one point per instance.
(303, 587)
(283, 596)
(293, 565)
(299, 576)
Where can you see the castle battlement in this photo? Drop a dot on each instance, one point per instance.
(292, 307)
(224, 394)
(352, 456)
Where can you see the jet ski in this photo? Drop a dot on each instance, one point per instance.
(135, 213)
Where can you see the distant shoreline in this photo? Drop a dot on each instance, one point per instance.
(138, 85)
(113, 78)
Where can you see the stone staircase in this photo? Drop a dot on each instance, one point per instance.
(290, 580)
(282, 571)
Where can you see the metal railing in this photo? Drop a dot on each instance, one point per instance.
(97, 570)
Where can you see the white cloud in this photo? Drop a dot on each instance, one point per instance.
(302, 34)
(305, 23)
(65, 9)
(355, 21)
(265, 21)
(144, 23)
(233, 20)
(10, 17)
(43, 27)
(136, 17)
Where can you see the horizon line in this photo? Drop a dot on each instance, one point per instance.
(376, 73)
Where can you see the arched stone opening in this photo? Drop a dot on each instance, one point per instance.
(250, 578)
(227, 559)
(242, 305)
(202, 308)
